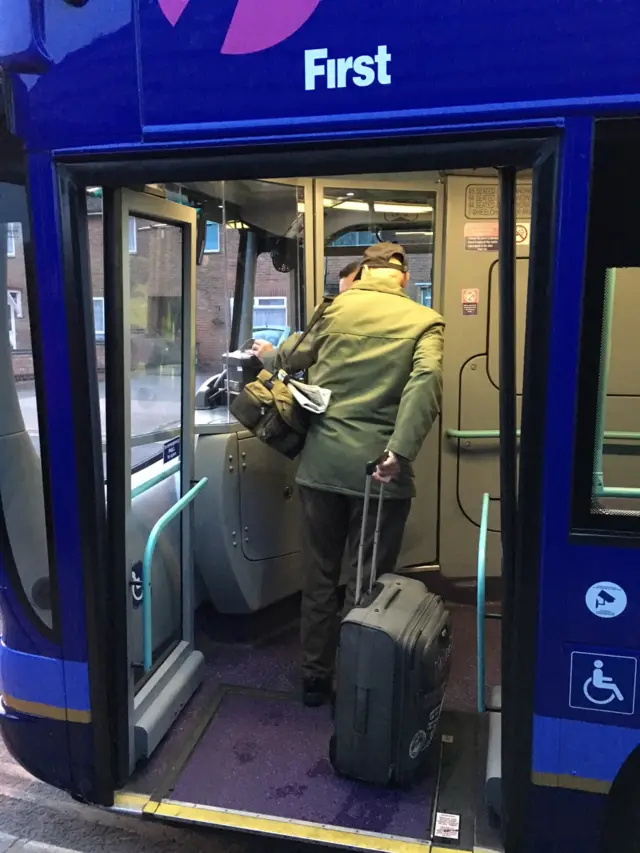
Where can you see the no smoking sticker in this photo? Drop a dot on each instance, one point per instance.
(470, 299)
(470, 296)
(523, 233)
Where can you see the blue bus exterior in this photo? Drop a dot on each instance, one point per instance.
(106, 82)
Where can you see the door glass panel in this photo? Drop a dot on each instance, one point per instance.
(160, 387)
(155, 323)
(96, 261)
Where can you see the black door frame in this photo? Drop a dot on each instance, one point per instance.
(539, 149)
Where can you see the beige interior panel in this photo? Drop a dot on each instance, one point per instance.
(471, 367)
(621, 461)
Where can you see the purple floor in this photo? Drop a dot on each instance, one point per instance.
(275, 665)
(270, 757)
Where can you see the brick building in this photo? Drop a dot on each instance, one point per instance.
(155, 262)
(155, 303)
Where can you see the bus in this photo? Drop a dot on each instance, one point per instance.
(174, 176)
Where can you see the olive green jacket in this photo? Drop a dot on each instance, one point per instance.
(380, 355)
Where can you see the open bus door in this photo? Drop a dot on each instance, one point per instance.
(150, 379)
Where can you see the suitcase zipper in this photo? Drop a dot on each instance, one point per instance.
(411, 636)
(415, 622)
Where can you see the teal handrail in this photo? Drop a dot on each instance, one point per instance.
(621, 436)
(600, 490)
(617, 492)
(475, 433)
(603, 381)
(470, 434)
(149, 484)
(482, 561)
(149, 550)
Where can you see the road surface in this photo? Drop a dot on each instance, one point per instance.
(154, 405)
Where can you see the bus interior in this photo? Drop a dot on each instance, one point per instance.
(249, 563)
(210, 697)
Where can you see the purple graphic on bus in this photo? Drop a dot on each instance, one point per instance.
(256, 24)
(173, 9)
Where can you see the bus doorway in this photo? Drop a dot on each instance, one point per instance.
(212, 626)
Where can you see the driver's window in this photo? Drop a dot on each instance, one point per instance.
(264, 224)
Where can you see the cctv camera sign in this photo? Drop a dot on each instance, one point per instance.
(606, 600)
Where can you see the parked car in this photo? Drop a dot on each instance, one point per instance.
(274, 334)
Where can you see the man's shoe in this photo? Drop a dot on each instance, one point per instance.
(316, 691)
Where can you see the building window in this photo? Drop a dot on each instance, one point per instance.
(424, 293)
(14, 305)
(133, 235)
(270, 311)
(212, 240)
(98, 316)
(11, 319)
(13, 231)
(15, 302)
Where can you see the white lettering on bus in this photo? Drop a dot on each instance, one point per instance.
(339, 73)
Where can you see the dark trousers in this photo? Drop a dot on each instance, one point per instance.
(332, 522)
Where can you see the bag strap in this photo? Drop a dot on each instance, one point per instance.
(317, 316)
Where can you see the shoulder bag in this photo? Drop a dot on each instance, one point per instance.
(268, 408)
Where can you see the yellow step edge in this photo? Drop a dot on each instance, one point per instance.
(320, 834)
(317, 833)
(124, 801)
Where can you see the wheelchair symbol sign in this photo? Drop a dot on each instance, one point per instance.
(601, 684)
(604, 683)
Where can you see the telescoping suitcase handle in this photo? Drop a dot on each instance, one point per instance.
(370, 471)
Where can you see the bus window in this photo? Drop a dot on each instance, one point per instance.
(616, 462)
(23, 522)
(607, 462)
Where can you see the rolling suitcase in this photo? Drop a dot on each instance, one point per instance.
(393, 668)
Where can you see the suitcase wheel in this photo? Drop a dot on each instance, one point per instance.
(333, 757)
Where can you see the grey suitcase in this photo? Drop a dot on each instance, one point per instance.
(393, 669)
